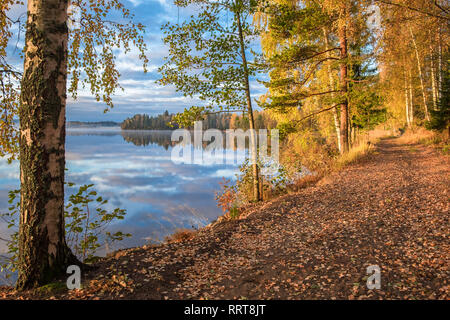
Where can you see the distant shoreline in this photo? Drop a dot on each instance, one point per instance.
(92, 124)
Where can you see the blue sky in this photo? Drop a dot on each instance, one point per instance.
(141, 94)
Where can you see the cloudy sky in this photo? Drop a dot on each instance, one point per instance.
(142, 94)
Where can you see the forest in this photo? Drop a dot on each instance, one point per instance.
(221, 121)
(358, 91)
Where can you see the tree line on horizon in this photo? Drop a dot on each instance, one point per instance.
(221, 121)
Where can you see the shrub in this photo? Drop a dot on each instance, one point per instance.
(181, 235)
(418, 135)
(274, 179)
(86, 223)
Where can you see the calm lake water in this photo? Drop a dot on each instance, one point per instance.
(134, 171)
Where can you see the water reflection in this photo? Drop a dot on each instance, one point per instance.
(133, 169)
(163, 138)
(145, 138)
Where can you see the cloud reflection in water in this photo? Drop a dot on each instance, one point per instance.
(133, 170)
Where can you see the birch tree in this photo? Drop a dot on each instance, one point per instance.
(343, 45)
(43, 251)
(209, 58)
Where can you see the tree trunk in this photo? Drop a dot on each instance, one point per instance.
(419, 67)
(440, 66)
(331, 88)
(43, 252)
(407, 101)
(433, 79)
(253, 147)
(343, 79)
(411, 98)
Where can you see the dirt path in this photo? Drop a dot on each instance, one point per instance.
(391, 211)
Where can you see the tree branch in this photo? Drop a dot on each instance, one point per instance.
(401, 5)
(317, 112)
(441, 7)
(11, 71)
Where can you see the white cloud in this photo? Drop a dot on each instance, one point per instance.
(136, 2)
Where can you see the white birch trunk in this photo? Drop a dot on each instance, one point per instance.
(419, 66)
(331, 88)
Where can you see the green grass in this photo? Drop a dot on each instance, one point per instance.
(51, 288)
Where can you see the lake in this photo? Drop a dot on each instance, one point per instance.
(134, 171)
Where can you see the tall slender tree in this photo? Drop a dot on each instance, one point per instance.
(43, 252)
(209, 58)
(343, 45)
(331, 88)
(416, 31)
